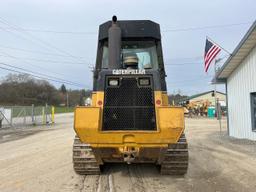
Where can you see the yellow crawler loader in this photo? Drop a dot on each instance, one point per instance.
(129, 119)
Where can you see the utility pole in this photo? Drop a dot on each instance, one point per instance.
(67, 99)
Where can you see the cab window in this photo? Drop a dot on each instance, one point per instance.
(144, 52)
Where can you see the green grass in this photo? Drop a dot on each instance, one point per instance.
(64, 109)
(20, 111)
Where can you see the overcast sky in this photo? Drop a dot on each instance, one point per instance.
(45, 47)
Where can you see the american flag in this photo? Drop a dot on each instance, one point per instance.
(211, 51)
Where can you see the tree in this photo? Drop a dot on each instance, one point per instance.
(22, 89)
(82, 97)
(63, 89)
(176, 98)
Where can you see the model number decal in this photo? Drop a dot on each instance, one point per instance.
(128, 72)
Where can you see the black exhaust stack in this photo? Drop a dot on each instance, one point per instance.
(114, 45)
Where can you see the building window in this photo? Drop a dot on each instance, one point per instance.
(253, 109)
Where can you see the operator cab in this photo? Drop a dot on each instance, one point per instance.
(129, 40)
(129, 72)
(134, 55)
(133, 45)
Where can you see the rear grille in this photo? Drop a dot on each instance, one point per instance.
(129, 106)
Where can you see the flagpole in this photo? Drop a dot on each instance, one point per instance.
(217, 107)
(215, 69)
(213, 53)
(218, 45)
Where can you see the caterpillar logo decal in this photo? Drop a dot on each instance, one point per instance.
(128, 72)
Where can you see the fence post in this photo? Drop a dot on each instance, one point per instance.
(24, 122)
(53, 111)
(32, 114)
(43, 114)
(1, 119)
(46, 113)
(11, 116)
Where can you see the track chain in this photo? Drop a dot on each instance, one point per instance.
(176, 158)
(84, 161)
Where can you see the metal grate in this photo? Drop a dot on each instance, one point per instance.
(129, 106)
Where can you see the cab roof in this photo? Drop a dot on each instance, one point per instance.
(132, 29)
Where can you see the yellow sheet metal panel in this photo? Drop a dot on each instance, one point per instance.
(170, 121)
(86, 118)
(163, 97)
(94, 98)
(158, 96)
(171, 117)
(100, 99)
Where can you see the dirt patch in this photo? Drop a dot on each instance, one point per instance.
(11, 134)
(43, 162)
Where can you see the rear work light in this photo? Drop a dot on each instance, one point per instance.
(113, 82)
(144, 81)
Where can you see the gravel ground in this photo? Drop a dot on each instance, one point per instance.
(40, 159)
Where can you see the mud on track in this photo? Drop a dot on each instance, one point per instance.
(42, 161)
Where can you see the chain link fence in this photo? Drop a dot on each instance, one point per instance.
(19, 116)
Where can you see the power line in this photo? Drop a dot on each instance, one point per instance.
(52, 31)
(181, 64)
(17, 28)
(44, 60)
(67, 62)
(24, 38)
(19, 36)
(206, 27)
(222, 48)
(190, 80)
(41, 74)
(37, 76)
(191, 58)
(94, 33)
(45, 53)
(185, 58)
(26, 62)
(48, 76)
(38, 52)
(30, 74)
(193, 63)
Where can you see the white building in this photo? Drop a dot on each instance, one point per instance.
(239, 75)
(207, 96)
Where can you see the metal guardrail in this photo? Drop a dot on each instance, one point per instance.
(19, 116)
